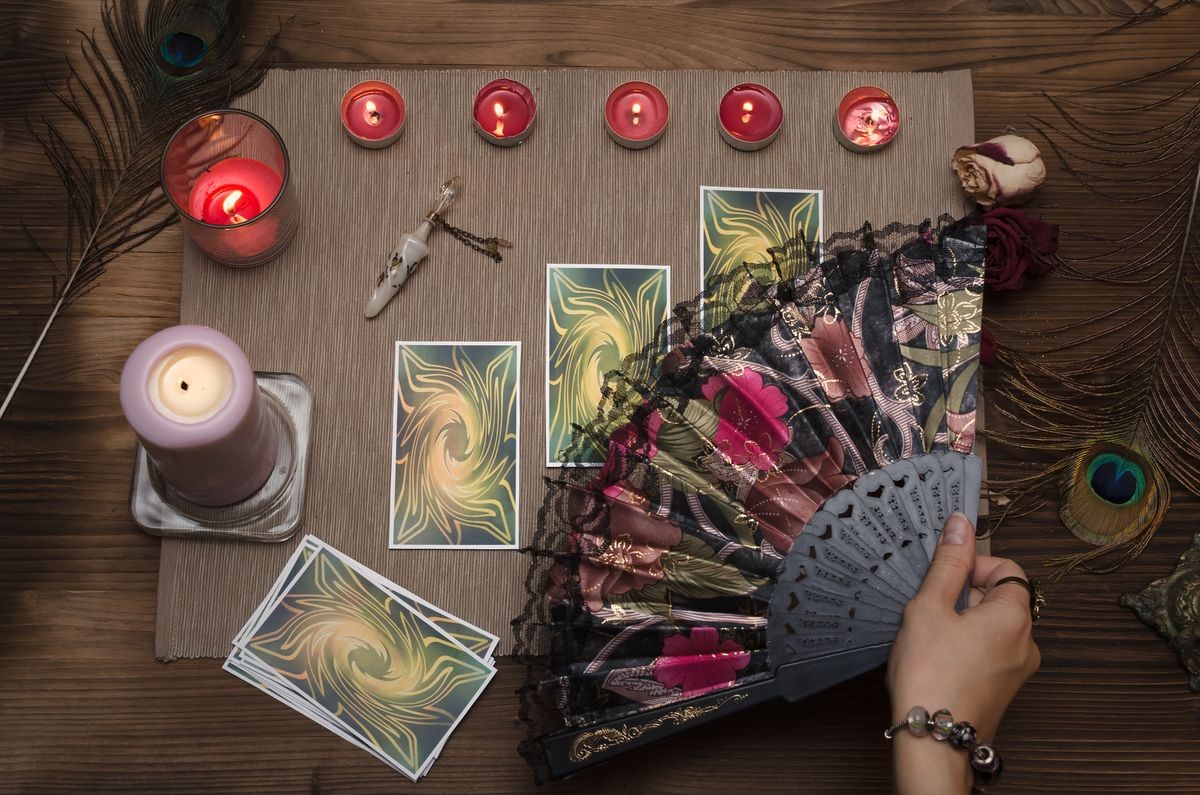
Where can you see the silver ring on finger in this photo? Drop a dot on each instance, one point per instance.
(1036, 598)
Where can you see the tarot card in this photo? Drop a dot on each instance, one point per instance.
(376, 667)
(478, 641)
(294, 563)
(596, 315)
(246, 668)
(739, 225)
(455, 445)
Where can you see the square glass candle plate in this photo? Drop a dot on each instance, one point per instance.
(273, 513)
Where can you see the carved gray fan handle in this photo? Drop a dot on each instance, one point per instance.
(844, 585)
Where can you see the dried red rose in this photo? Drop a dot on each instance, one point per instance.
(987, 347)
(1018, 246)
(1006, 170)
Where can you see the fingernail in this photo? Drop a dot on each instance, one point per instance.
(957, 530)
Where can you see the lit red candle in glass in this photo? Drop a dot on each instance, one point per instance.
(227, 174)
(373, 114)
(504, 112)
(233, 191)
(867, 119)
(751, 116)
(636, 114)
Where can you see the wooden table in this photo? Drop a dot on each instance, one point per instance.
(85, 707)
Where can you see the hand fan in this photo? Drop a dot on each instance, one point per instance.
(770, 497)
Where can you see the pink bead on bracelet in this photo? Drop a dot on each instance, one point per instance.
(985, 761)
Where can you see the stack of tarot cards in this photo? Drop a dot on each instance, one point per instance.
(366, 659)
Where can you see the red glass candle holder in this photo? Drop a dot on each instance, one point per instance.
(867, 119)
(227, 174)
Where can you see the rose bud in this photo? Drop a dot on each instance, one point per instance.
(1005, 170)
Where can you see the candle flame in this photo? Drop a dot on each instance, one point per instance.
(874, 124)
(372, 116)
(229, 205)
(498, 109)
(747, 106)
(637, 107)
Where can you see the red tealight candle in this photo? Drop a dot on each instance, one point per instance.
(233, 191)
(751, 116)
(867, 119)
(636, 114)
(373, 114)
(504, 112)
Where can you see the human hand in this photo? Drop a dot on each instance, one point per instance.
(971, 663)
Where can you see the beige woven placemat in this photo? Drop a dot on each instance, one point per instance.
(568, 195)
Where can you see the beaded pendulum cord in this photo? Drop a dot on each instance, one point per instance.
(414, 248)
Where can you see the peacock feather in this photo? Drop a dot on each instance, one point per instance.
(1121, 422)
(153, 70)
(1151, 9)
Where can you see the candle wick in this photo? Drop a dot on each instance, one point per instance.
(183, 385)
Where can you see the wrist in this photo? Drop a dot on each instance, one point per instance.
(962, 706)
(918, 765)
(924, 767)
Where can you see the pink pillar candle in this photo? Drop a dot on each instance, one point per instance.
(191, 397)
(504, 112)
(636, 114)
(867, 119)
(751, 116)
(373, 114)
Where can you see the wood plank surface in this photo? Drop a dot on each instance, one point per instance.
(84, 707)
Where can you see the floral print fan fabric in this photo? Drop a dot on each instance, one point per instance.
(651, 577)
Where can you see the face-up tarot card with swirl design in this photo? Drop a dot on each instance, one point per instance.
(371, 662)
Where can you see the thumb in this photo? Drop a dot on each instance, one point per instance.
(952, 562)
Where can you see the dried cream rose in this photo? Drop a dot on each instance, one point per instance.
(1003, 171)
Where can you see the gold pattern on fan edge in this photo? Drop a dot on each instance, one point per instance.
(600, 740)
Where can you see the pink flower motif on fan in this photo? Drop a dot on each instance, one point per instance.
(783, 503)
(639, 437)
(836, 357)
(629, 557)
(750, 429)
(701, 662)
(635, 440)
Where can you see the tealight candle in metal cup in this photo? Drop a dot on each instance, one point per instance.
(866, 120)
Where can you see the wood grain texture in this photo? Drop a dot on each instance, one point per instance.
(85, 708)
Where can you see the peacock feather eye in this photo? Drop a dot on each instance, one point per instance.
(182, 49)
(188, 34)
(1110, 493)
(1116, 479)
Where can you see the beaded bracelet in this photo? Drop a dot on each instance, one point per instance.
(985, 761)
